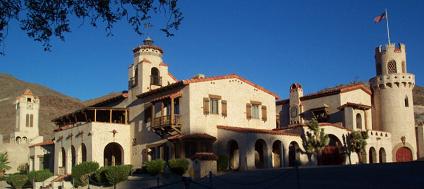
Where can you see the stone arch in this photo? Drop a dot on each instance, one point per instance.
(155, 76)
(391, 67)
(24, 140)
(18, 140)
(358, 121)
(261, 152)
(382, 155)
(372, 155)
(403, 154)
(233, 155)
(73, 156)
(277, 154)
(332, 153)
(113, 154)
(294, 153)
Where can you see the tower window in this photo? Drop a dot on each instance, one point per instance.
(31, 120)
(391, 67)
(255, 111)
(155, 78)
(28, 99)
(378, 68)
(358, 121)
(403, 67)
(406, 102)
(27, 120)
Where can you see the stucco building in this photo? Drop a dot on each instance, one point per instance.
(201, 118)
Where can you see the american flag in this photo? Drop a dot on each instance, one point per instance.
(379, 18)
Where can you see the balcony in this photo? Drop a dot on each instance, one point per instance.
(166, 121)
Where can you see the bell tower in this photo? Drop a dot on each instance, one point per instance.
(27, 109)
(148, 70)
(392, 100)
(296, 92)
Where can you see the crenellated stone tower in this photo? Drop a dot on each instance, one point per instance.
(392, 100)
(27, 109)
(148, 70)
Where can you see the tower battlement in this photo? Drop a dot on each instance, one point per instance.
(393, 47)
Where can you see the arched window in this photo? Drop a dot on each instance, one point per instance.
(155, 78)
(378, 68)
(31, 120)
(406, 102)
(358, 121)
(27, 120)
(391, 67)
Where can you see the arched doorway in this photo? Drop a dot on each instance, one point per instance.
(83, 153)
(276, 154)
(113, 154)
(294, 153)
(382, 156)
(372, 155)
(73, 156)
(260, 153)
(403, 154)
(155, 76)
(62, 160)
(332, 153)
(234, 155)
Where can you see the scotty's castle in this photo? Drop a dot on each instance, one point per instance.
(201, 118)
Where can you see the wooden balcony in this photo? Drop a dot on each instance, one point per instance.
(167, 125)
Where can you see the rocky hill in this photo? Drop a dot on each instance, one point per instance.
(52, 105)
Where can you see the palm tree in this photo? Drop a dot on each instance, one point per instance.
(4, 163)
(356, 142)
(313, 142)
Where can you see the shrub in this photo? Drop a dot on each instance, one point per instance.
(17, 180)
(222, 163)
(39, 176)
(100, 177)
(155, 167)
(117, 174)
(178, 166)
(81, 171)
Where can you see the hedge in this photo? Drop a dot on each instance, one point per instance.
(17, 180)
(81, 171)
(178, 166)
(155, 167)
(222, 163)
(39, 176)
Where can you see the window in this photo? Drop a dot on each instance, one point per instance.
(391, 67)
(214, 106)
(406, 102)
(155, 78)
(255, 111)
(31, 120)
(403, 67)
(27, 120)
(358, 121)
(28, 99)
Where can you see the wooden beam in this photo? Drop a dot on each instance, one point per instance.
(110, 116)
(172, 112)
(126, 116)
(95, 115)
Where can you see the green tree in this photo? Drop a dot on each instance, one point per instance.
(356, 142)
(4, 163)
(42, 20)
(117, 174)
(17, 180)
(314, 140)
(82, 171)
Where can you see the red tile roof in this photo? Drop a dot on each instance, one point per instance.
(355, 105)
(252, 130)
(44, 143)
(192, 136)
(172, 76)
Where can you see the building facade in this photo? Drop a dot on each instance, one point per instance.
(201, 118)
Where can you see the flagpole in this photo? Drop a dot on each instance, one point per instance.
(387, 25)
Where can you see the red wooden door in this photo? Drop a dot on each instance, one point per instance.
(403, 154)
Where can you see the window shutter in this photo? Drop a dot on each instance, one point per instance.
(264, 114)
(248, 111)
(224, 108)
(205, 106)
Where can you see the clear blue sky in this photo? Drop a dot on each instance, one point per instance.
(272, 43)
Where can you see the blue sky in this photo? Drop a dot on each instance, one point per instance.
(272, 43)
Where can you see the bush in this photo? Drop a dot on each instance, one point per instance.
(155, 167)
(100, 177)
(39, 176)
(178, 166)
(17, 180)
(117, 174)
(81, 171)
(222, 163)
(23, 168)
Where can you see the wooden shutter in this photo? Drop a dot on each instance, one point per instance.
(248, 111)
(205, 106)
(264, 115)
(224, 108)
